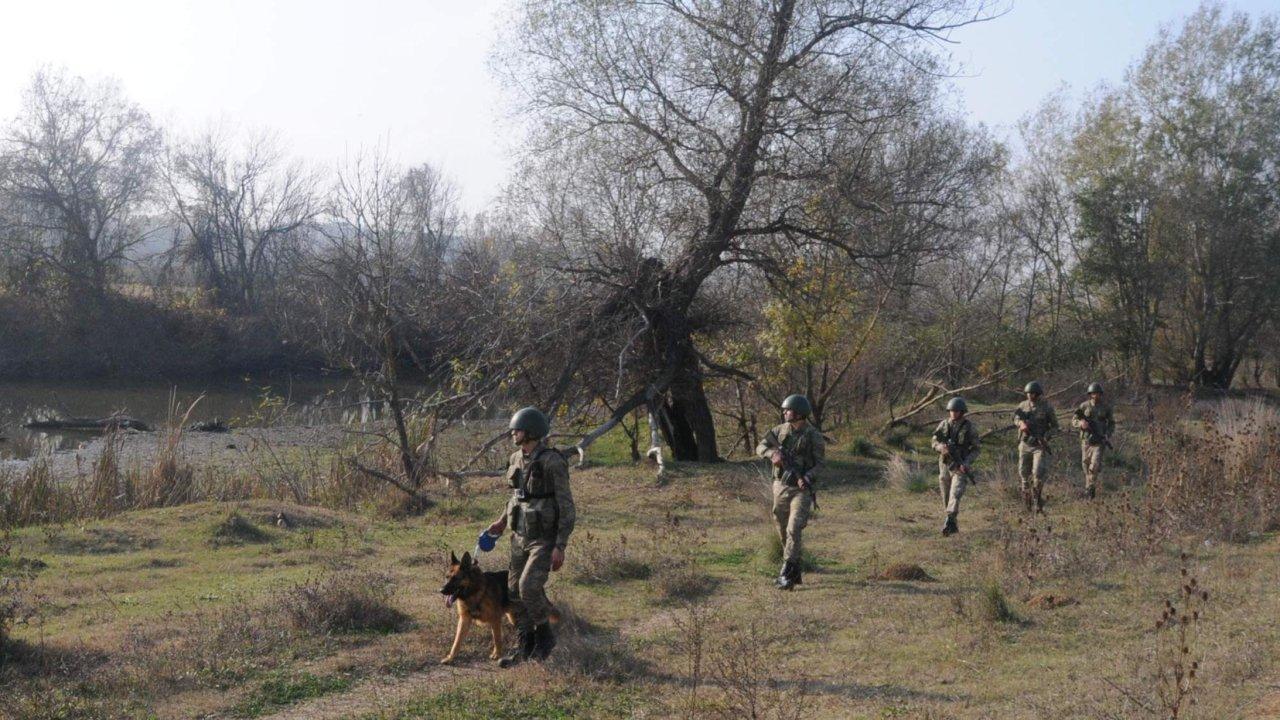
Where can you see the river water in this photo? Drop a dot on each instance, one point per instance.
(240, 402)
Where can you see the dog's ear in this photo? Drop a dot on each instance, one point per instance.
(453, 558)
(466, 559)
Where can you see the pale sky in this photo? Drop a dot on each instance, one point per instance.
(332, 76)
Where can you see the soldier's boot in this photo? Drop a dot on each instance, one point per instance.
(797, 578)
(786, 575)
(526, 638)
(1091, 492)
(950, 527)
(544, 641)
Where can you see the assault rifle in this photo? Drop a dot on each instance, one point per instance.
(1094, 436)
(1038, 442)
(952, 454)
(791, 474)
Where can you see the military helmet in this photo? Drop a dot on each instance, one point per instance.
(1034, 387)
(799, 404)
(532, 421)
(957, 403)
(1094, 388)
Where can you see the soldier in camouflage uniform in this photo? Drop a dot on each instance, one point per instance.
(796, 450)
(1096, 421)
(1036, 422)
(957, 444)
(541, 515)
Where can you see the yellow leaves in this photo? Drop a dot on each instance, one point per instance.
(815, 321)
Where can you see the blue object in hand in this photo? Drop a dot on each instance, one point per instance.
(486, 541)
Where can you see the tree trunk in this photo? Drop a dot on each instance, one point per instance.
(687, 424)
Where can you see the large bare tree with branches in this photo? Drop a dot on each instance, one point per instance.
(752, 127)
(79, 165)
(242, 211)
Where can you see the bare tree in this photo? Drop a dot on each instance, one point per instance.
(732, 113)
(241, 210)
(80, 159)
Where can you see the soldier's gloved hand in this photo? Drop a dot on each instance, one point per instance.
(777, 458)
(1022, 425)
(557, 559)
(498, 527)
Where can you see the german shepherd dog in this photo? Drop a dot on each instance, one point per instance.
(481, 597)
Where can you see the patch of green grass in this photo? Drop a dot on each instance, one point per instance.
(771, 554)
(861, 446)
(918, 483)
(499, 702)
(283, 690)
(735, 557)
(994, 605)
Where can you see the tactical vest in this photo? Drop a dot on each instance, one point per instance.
(535, 514)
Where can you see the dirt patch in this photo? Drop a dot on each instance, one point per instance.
(1050, 601)
(904, 572)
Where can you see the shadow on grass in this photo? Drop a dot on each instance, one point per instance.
(102, 541)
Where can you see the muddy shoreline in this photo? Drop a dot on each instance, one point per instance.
(236, 449)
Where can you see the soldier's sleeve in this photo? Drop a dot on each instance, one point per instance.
(819, 452)
(1053, 419)
(940, 438)
(1079, 413)
(767, 444)
(558, 469)
(975, 444)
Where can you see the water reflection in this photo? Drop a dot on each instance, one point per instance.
(243, 402)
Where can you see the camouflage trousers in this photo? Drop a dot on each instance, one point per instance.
(1033, 466)
(1091, 463)
(952, 485)
(527, 579)
(791, 509)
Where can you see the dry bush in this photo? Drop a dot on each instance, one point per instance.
(29, 494)
(1218, 477)
(352, 601)
(906, 475)
(601, 562)
(212, 648)
(1167, 679)
(592, 652)
(744, 666)
(17, 601)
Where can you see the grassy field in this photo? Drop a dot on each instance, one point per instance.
(214, 610)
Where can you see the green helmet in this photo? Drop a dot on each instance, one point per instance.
(1094, 388)
(1034, 387)
(957, 403)
(799, 404)
(533, 421)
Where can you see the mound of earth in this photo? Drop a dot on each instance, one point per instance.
(904, 572)
(1049, 601)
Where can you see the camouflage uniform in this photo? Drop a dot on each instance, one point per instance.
(540, 514)
(962, 434)
(791, 504)
(1033, 454)
(1091, 444)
